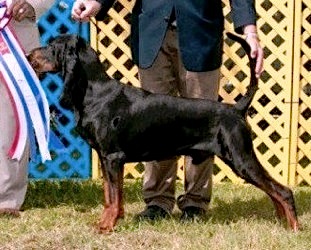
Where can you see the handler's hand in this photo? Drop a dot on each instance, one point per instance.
(83, 10)
(256, 49)
(20, 10)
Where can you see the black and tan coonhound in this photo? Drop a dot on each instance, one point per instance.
(127, 124)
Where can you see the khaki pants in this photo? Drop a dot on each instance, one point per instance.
(13, 173)
(167, 75)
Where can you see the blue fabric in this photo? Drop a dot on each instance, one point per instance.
(200, 27)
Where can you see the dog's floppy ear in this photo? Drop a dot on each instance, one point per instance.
(70, 70)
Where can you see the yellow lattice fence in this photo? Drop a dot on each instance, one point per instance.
(301, 107)
(280, 113)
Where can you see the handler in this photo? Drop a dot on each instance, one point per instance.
(13, 172)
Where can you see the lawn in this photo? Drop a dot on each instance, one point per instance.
(62, 215)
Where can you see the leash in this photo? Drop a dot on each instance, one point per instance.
(28, 99)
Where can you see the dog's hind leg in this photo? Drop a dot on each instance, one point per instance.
(252, 171)
(235, 148)
(280, 212)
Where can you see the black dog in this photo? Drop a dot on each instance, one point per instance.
(127, 124)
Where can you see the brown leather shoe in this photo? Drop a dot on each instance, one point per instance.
(9, 212)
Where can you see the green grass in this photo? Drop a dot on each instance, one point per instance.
(62, 215)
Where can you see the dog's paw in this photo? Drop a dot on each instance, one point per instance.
(102, 228)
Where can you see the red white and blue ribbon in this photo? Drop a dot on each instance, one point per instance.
(29, 101)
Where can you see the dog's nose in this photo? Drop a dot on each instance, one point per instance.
(28, 56)
(32, 63)
(30, 59)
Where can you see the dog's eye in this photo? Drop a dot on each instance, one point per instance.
(115, 122)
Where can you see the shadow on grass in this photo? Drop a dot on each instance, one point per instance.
(262, 208)
(86, 194)
(228, 212)
(82, 193)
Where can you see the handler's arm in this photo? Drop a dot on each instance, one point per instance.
(244, 19)
(83, 10)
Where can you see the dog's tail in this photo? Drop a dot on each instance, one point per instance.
(243, 104)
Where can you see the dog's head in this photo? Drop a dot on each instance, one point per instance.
(62, 55)
(54, 56)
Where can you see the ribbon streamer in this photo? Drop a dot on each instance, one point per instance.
(28, 98)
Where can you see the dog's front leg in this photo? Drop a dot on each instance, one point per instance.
(113, 192)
